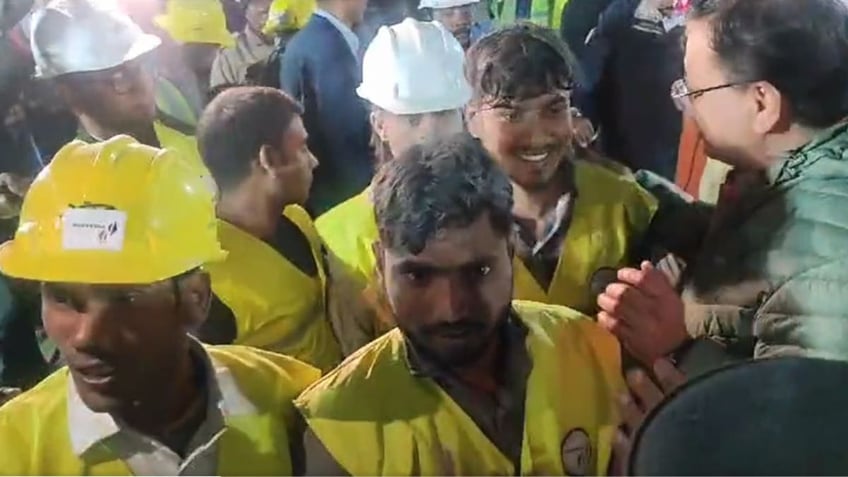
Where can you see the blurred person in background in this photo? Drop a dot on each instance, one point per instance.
(458, 17)
(630, 61)
(107, 85)
(199, 27)
(252, 46)
(413, 79)
(321, 69)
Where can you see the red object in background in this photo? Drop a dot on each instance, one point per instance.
(691, 158)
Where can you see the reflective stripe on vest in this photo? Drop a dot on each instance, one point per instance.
(35, 440)
(376, 418)
(611, 214)
(276, 306)
(540, 12)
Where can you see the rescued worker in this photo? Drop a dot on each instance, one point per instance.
(470, 382)
(412, 76)
(278, 288)
(572, 217)
(117, 233)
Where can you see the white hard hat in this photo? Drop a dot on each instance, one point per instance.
(73, 36)
(445, 3)
(414, 67)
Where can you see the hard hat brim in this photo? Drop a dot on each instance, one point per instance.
(423, 106)
(458, 3)
(146, 43)
(91, 268)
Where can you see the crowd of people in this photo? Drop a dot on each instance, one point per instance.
(446, 237)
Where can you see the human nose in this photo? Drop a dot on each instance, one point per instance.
(451, 298)
(93, 327)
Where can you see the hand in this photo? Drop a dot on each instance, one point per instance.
(634, 406)
(645, 312)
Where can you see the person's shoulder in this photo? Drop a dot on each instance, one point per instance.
(28, 418)
(362, 373)
(264, 375)
(564, 326)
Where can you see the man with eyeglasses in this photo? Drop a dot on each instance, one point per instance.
(767, 83)
(100, 62)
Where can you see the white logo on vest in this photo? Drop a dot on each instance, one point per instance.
(577, 453)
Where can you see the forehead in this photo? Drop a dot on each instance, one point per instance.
(537, 102)
(700, 61)
(457, 246)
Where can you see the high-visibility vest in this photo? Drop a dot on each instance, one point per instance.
(376, 418)
(349, 230)
(542, 12)
(35, 440)
(276, 306)
(172, 102)
(611, 214)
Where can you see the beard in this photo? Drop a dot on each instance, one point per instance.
(458, 344)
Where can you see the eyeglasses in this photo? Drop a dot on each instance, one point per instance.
(683, 97)
(124, 78)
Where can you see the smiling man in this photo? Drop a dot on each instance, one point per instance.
(572, 218)
(117, 234)
(469, 383)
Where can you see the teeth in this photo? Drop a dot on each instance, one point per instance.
(534, 157)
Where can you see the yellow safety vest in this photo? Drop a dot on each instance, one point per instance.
(276, 306)
(34, 437)
(170, 100)
(610, 215)
(542, 12)
(349, 230)
(376, 418)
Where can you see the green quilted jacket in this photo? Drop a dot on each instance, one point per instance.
(767, 267)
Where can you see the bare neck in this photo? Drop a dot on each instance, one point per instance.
(254, 213)
(145, 135)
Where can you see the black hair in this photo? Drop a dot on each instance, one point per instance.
(798, 46)
(520, 61)
(236, 124)
(448, 182)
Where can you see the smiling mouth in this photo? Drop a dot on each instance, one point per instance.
(97, 375)
(535, 156)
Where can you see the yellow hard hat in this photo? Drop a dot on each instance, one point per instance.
(288, 15)
(196, 21)
(115, 212)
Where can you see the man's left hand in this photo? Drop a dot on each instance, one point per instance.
(645, 312)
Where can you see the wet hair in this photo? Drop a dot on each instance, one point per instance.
(236, 124)
(443, 183)
(800, 47)
(518, 62)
